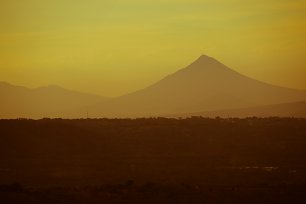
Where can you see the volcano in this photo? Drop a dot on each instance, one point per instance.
(204, 85)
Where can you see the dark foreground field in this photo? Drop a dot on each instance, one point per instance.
(195, 160)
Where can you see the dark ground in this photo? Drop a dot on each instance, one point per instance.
(157, 160)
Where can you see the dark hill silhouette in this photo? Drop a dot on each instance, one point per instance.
(49, 101)
(205, 85)
(295, 109)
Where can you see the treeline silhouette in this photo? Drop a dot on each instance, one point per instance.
(240, 158)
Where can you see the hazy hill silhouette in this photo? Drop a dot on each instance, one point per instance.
(49, 101)
(205, 85)
(295, 109)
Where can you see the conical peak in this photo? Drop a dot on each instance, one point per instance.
(205, 59)
(205, 62)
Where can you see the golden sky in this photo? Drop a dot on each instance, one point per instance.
(112, 47)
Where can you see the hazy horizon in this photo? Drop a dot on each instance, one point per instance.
(112, 48)
(203, 86)
(137, 88)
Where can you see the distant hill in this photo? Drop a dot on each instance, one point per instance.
(296, 109)
(205, 85)
(49, 101)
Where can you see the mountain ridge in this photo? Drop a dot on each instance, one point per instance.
(294, 109)
(204, 85)
(45, 101)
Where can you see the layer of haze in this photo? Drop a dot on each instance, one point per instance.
(114, 47)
